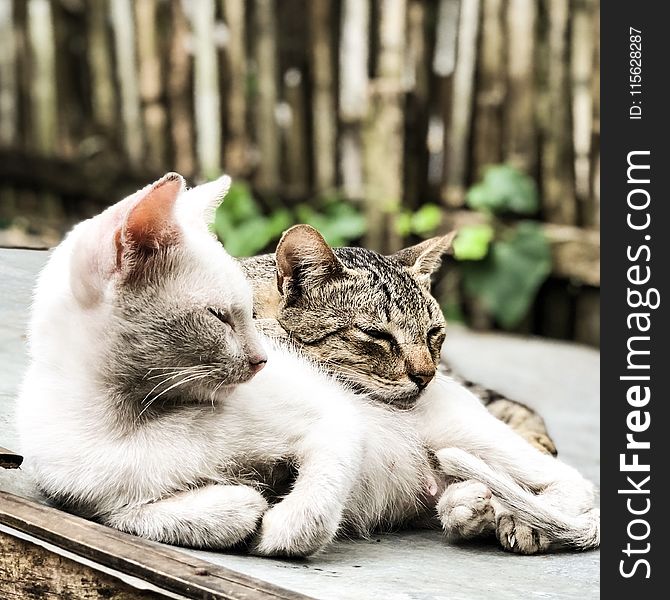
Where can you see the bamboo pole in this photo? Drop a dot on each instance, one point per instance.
(43, 98)
(126, 69)
(557, 151)
(323, 101)
(383, 135)
(417, 72)
(592, 216)
(237, 144)
(458, 133)
(582, 106)
(353, 92)
(68, 122)
(100, 65)
(295, 146)
(520, 124)
(491, 88)
(150, 82)
(8, 83)
(179, 92)
(8, 100)
(265, 36)
(444, 59)
(207, 101)
(443, 65)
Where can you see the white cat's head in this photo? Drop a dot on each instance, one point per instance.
(163, 299)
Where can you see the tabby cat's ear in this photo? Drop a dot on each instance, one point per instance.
(302, 252)
(425, 258)
(150, 222)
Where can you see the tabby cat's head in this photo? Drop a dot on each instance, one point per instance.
(369, 318)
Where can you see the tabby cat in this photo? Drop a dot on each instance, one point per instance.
(378, 329)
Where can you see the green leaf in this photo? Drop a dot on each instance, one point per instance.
(279, 221)
(504, 189)
(472, 242)
(339, 223)
(507, 281)
(426, 220)
(240, 203)
(453, 312)
(403, 224)
(248, 238)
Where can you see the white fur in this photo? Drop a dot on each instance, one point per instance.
(173, 479)
(187, 478)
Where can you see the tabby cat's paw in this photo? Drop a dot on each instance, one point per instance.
(289, 530)
(465, 510)
(541, 441)
(516, 536)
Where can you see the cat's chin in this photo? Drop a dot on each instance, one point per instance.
(402, 401)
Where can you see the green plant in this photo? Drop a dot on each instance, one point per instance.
(241, 225)
(503, 266)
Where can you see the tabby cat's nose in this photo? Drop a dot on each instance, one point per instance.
(257, 362)
(422, 379)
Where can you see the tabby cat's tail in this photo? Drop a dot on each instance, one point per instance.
(579, 532)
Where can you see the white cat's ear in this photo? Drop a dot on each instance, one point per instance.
(112, 241)
(425, 258)
(302, 251)
(198, 205)
(150, 222)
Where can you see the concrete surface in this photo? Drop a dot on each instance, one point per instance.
(560, 380)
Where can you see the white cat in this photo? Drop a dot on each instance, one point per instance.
(131, 412)
(142, 409)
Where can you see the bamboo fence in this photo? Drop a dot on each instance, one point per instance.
(390, 103)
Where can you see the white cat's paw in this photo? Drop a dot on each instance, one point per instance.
(465, 510)
(290, 530)
(516, 536)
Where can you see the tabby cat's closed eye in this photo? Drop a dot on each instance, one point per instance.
(377, 334)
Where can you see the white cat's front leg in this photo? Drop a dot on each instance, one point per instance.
(214, 517)
(308, 518)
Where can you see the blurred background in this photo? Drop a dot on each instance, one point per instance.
(380, 122)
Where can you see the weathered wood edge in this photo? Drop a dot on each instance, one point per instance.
(162, 566)
(9, 459)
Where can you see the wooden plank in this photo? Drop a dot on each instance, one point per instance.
(28, 571)
(165, 567)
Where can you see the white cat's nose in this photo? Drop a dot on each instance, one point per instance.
(257, 362)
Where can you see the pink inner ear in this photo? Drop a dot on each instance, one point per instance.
(150, 223)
